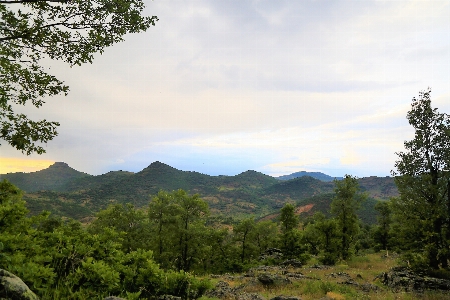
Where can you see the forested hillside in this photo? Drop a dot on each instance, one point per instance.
(67, 192)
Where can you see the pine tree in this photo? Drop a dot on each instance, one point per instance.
(347, 201)
(423, 180)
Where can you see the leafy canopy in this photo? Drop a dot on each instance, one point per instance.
(345, 204)
(67, 30)
(423, 180)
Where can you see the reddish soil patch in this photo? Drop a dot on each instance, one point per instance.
(304, 208)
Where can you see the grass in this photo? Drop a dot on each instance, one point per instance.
(318, 283)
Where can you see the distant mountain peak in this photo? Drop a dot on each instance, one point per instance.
(317, 175)
(157, 165)
(59, 164)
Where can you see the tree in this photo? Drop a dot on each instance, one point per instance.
(382, 230)
(347, 201)
(162, 213)
(67, 30)
(190, 222)
(244, 234)
(291, 237)
(423, 179)
(288, 219)
(265, 235)
(322, 237)
(12, 207)
(127, 220)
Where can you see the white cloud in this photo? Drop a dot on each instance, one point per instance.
(263, 84)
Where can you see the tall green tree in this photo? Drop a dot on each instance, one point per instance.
(191, 219)
(291, 238)
(69, 31)
(266, 235)
(289, 220)
(162, 212)
(323, 238)
(12, 207)
(344, 206)
(382, 231)
(126, 219)
(422, 176)
(244, 234)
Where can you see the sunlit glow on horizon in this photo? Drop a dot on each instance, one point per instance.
(13, 165)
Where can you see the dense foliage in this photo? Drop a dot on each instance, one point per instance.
(141, 253)
(59, 259)
(69, 31)
(423, 179)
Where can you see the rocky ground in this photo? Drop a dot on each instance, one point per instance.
(292, 281)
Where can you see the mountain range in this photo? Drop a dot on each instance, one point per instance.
(317, 175)
(68, 192)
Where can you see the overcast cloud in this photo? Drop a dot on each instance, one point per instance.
(221, 87)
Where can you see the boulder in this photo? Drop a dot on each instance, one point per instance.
(271, 253)
(224, 291)
(404, 279)
(12, 287)
(292, 263)
(272, 279)
(281, 297)
(168, 297)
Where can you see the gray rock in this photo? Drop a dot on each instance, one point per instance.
(224, 291)
(292, 262)
(12, 287)
(281, 297)
(272, 279)
(403, 278)
(271, 253)
(368, 287)
(114, 298)
(168, 297)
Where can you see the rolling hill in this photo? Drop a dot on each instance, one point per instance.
(317, 175)
(54, 178)
(67, 192)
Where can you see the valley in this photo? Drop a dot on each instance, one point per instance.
(66, 192)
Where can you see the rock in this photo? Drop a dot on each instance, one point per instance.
(272, 279)
(224, 291)
(296, 275)
(403, 278)
(114, 298)
(271, 253)
(249, 296)
(266, 279)
(168, 297)
(367, 287)
(12, 287)
(349, 282)
(281, 297)
(292, 262)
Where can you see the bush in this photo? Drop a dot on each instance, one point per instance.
(329, 259)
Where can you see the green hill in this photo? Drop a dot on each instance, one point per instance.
(54, 178)
(79, 195)
(317, 175)
(322, 203)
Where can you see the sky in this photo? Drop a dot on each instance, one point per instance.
(221, 87)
